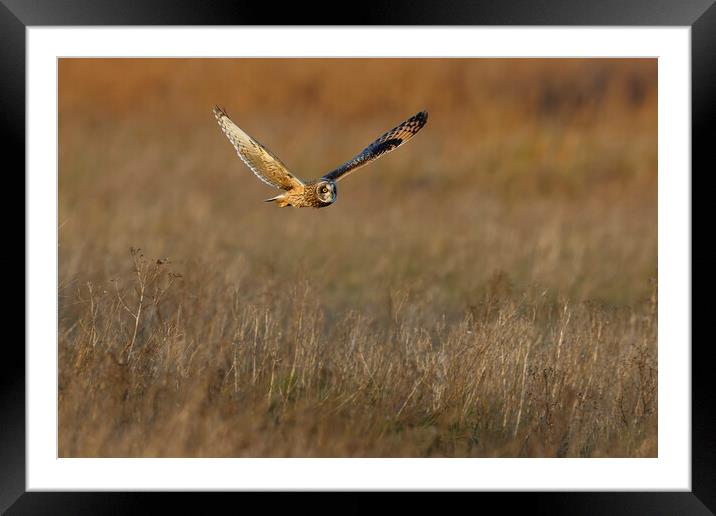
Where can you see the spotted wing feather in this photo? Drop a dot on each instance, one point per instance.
(388, 142)
(267, 167)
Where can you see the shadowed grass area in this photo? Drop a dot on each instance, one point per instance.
(489, 289)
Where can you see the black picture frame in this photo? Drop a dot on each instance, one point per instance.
(17, 15)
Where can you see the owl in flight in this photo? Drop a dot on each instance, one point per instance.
(317, 193)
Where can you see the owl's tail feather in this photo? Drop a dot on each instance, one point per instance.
(280, 200)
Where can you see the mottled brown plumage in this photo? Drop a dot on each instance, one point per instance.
(317, 193)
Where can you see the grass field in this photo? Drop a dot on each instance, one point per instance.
(489, 289)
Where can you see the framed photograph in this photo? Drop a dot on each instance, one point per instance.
(498, 300)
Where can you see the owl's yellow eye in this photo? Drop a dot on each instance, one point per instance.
(324, 189)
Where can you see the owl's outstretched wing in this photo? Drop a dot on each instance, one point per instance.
(267, 167)
(383, 145)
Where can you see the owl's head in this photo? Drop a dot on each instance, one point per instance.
(326, 191)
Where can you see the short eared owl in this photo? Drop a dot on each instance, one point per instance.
(316, 193)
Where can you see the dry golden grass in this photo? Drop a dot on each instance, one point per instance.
(487, 290)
